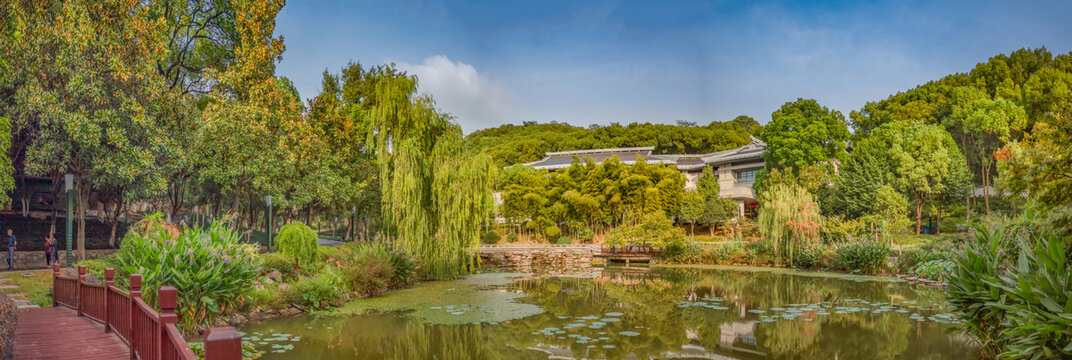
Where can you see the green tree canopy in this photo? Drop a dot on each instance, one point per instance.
(803, 133)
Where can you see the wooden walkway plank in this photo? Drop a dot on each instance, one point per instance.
(58, 333)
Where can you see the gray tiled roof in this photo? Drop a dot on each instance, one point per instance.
(563, 159)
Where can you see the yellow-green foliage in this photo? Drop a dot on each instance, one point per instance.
(654, 230)
(298, 242)
(789, 219)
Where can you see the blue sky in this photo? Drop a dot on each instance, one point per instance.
(583, 62)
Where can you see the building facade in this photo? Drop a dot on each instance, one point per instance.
(735, 168)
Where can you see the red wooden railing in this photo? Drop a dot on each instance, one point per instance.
(630, 250)
(149, 334)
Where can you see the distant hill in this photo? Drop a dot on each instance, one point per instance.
(516, 144)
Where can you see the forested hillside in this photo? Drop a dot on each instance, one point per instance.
(515, 144)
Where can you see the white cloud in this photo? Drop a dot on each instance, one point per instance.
(474, 99)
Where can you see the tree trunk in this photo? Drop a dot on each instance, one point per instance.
(986, 188)
(938, 228)
(919, 218)
(967, 209)
(83, 203)
(692, 229)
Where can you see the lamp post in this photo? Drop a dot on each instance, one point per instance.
(68, 185)
(268, 199)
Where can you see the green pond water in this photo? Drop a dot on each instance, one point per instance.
(617, 313)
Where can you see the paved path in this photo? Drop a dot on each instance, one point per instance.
(13, 292)
(57, 333)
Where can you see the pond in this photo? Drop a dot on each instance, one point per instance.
(635, 313)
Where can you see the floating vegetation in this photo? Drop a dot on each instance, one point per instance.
(472, 299)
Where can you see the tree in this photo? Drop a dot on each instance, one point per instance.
(789, 218)
(435, 200)
(928, 160)
(868, 168)
(201, 37)
(803, 133)
(87, 85)
(1035, 167)
(716, 210)
(989, 124)
(692, 210)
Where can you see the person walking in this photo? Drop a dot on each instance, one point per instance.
(50, 247)
(11, 244)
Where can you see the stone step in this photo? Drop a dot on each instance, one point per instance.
(23, 307)
(5, 287)
(16, 295)
(3, 280)
(22, 302)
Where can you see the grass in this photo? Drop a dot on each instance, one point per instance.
(38, 288)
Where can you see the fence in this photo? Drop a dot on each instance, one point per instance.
(149, 334)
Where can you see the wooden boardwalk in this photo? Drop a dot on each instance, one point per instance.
(58, 333)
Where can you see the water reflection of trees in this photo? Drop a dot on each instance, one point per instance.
(649, 299)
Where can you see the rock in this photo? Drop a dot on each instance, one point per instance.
(289, 312)
(275, 275)
(258, 286)
(269, 280)
(237, 320)
(283, 286)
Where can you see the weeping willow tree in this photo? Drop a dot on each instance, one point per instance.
(789, 219)
(434, 199)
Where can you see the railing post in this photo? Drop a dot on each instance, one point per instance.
(81, 280)
(223, 343)
(135, 294)
(167, 299)
(55, 284)
(109, 281)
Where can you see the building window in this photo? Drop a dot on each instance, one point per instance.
(746, 176)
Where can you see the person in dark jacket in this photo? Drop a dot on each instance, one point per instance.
(11, 244)
(50, 247)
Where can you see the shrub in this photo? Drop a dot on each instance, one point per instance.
(278, 262)
(564, 240)
(932, 269)
(212, 270)
(490, 237)
(511, 238)
(1013, 291)
(813, 257)
(868, 257)
(401, 266)
(727, 253)
(654, 230)
(298, 242)
(552, 232)
(759, 252)
(683, 252)
(321, 290)
(9, 318)
(370, 275)
(586, 235)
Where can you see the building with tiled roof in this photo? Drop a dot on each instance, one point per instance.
(735, 168)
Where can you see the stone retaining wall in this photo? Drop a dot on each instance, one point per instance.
(36, 259)
(525, 258)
